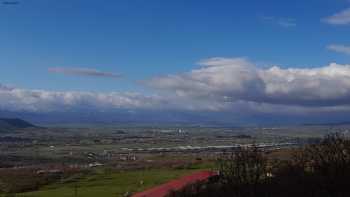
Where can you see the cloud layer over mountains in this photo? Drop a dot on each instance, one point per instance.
(228, 85)
(16, 99)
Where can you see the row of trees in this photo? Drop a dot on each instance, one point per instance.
(317, 170)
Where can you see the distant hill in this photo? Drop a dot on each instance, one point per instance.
(328, 124)
(14, 123)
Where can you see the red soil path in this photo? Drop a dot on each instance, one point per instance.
(177, 184)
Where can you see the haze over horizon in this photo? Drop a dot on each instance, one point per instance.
(250, 62)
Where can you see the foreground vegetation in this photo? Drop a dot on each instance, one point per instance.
(317, 170)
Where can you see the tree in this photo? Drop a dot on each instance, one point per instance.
(244, 169)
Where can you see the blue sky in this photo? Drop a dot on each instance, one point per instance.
(142, 40)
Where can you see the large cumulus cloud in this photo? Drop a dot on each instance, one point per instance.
(236, 79)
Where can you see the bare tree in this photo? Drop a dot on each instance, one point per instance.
(243, 169)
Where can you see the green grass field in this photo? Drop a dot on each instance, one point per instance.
(108, 184)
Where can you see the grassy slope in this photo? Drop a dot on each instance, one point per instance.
(109, 184)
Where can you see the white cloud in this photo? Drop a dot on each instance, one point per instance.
(230, 80)
(233, 86)
(339, 48)
(16, 99)
(341, 18)
(83, 72)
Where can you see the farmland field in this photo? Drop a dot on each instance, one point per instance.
(109, 184)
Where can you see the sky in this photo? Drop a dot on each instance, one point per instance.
(252, 60)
